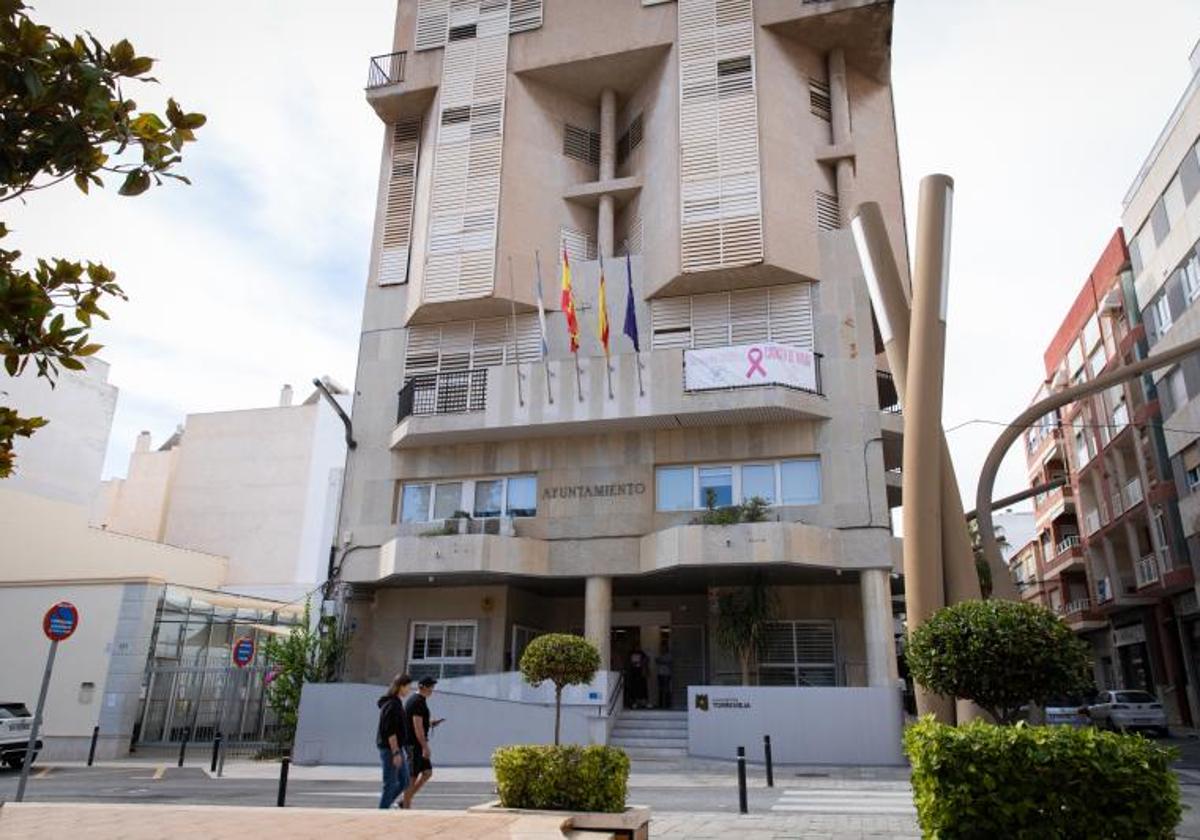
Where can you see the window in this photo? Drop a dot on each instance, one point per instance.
(630, 139)
(829, 213)
(791, 482)
(1191, 277)
(674, 488)
(758, 480)
(1091, 333)
(415, 504)
(1145, 242)
(521, 637)
(800, 482)
(509, 496)
(1159, 221)
(1192, 477)
(799, 653)
(489, 498)
(716, 486)
(1189, 176)
(1074, 358)
(581, 144)
(447, 500)
(1162, 313)
(1135, 256)
(1173, 201)
(819, 103)
(442, 649)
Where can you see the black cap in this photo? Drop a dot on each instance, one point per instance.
(427, 682)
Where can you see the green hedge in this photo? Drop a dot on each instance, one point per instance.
(562, 778)
(1058, 782)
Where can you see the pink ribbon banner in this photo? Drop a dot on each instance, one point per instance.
(744, 365)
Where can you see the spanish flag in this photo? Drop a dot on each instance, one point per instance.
(568, 304)
(602, 316)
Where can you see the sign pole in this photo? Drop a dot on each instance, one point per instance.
(37, 722)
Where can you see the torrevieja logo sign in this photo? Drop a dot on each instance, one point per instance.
(591, 491)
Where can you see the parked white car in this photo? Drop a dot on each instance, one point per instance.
(1067, 711)
(15, 723)
(1129, 710)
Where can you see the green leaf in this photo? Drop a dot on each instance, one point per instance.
(136, 183)
(71, 363)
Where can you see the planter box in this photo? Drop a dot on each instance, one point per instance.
(631, 824)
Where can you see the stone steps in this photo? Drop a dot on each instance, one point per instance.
(651, 733)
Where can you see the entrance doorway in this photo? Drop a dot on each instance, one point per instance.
(676, 658)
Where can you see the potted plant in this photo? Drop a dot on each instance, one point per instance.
(590, 782)
(461, 521)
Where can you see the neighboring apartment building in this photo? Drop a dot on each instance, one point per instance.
(259, 486)
(1161, 219)
(151, 655)
(1108, 555)
(638, 132)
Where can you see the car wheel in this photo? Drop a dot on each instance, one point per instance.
(15, 762)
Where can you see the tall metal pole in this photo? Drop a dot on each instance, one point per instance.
(924, 581)
(987, 475)
(512, 300)
(37, 722)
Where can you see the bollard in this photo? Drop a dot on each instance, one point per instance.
(92, 749)
(283, 774)
(741, 768)
(770, 767)
(215, 752)
(187, 733)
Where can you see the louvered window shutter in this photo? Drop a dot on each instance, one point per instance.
(720, 200)
(748, 316)
(489, 340)
(791, 315)
(432, 17)
(816, 653)
(632, 243)
(710, 320)
(457, 341)
(671, 322)
(461, 258)
(579, 245)
(397, 220)
(422, 351)
(818, 100)
(524, 15)
(829, 214)
(529, 341)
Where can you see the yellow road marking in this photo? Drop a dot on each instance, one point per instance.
(43, 773)
(158, 774)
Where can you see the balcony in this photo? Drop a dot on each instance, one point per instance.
(489, 404)
(889, 398)
(1067, 543)
(1091, 522)
(1053, 503)
(1146, 571)
(387, 69)
(449, 554)
(1075, 607)
(1132, 494)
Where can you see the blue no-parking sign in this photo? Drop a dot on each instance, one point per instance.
(60, 621)
(243, 651)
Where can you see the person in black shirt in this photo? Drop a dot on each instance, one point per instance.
(420, 727)
(390, 737)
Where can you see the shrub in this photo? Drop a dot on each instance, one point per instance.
(567, 778)
(562, 659)
(754, 509)
(1000, 654)
(987, 781)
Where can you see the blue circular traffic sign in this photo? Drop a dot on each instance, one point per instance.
(243, 651)
(60, 621)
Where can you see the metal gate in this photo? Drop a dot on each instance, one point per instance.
(689, 665)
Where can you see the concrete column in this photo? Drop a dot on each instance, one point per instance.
(839, 112)
(608, 169)
(597, 617)
(876, 589)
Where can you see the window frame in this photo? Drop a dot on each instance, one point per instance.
(1162, 313)
(737, 491)
(466, 499)
(442, 661)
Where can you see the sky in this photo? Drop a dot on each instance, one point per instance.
(253, 276)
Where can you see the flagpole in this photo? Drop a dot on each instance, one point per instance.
(537, 260)
(630, 328)
(602, 303)
(512, 299)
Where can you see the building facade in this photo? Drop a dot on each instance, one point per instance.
(505, 487)
(1161, 220)
(1108, 555)
(258, 486)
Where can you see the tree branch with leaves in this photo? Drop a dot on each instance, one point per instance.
(64, 115)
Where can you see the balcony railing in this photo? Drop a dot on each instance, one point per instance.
(1077, 606)
(1068, 542)
(1132, 493)
(889, 397)
(1091, 521)
(451, 392)
(387, 69)
(1145, 571)
(1117, 506)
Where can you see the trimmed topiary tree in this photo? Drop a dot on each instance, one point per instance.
(1000, 654)
(562, 659)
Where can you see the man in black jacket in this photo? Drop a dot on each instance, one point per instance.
(390, 737)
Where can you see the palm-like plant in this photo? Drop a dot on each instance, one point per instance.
(742, 618)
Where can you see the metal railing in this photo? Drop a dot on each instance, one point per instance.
(1068, 542)
(450, 392)
(1077, 606)
(1145, 571)
(1132, 493)
(889, 397)
(386, 69)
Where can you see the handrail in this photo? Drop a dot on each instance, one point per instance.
(386, 69)
(617, 693)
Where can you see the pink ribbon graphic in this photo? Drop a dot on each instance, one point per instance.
(755, 355)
